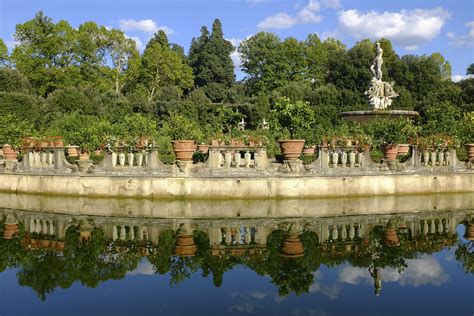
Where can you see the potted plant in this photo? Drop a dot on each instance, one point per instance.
(9, 153)
(467, 134)
(295, 119)
(388, 134)
(183, 133)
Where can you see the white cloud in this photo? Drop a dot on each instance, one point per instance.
(462, 40)
(457, 78)
(11, 44)
(422, 271)
(257, 295)
(146, 26)
(409, 28)
(307, 14)
(235, 56)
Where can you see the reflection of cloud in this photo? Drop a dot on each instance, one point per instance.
(245, 307)
(331, 291)
(144, 267)
(423, 271)
(309, 312)
(257, 295)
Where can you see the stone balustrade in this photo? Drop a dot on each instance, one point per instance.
(237, 157)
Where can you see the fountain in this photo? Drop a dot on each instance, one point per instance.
(380, 94)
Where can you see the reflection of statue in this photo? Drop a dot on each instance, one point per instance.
(375, 274)
(380, 93)
(376, 67)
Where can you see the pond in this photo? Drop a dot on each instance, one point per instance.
(366, 256)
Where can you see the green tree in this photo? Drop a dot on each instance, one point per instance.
(3, 53)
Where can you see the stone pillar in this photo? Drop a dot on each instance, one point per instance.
(59, 159)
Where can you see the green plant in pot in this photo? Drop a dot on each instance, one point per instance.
(466, 134)
(388, 134)
(183, 133)
(295, 119)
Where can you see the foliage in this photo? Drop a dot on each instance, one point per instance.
(389, 132)
(13, 128)
(178, 127)
(296, 117)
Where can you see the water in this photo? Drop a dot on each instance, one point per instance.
(119, 257)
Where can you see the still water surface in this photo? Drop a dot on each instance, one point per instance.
(410, 263)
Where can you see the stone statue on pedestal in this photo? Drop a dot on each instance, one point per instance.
(380, 93)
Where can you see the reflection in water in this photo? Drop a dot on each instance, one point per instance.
(55, 250)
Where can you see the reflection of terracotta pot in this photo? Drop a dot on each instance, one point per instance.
(185, 246)
(10, 230)
(291, 149)
(470, 151)
(403, 149)
(60, 245)
(184, 149)
(390, 152)
(292, 247)
(469, 233)
(203, 148)
(391, 237)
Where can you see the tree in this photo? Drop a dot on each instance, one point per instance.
(3, 53)
(470, 70)
(209, 56)
(161, 66)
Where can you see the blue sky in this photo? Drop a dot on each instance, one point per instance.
(415, 26)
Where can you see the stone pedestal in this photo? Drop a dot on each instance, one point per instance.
(292, 166)
(184, 166)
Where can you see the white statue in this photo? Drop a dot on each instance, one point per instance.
(380, 93)
(242, 124)
(376, 67)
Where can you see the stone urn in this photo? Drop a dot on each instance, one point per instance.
(291, 149)
(469, 233)
(203, 148)
(390, 236)
(470, 151)
(308, 151)
(84, 155)
(185, 246)
(9, 153)
(184, 149)
(390, 152)
(10, 227)
(403, 149)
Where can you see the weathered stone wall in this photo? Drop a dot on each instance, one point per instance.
(241, 188)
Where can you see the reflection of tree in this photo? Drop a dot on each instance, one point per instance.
(465, 255)
(160, 257)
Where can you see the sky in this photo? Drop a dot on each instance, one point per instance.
(414, 27)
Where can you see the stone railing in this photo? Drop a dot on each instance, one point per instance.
(44, 160)
(341, 159)
(237, 157)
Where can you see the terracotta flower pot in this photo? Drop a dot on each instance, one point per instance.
(184, 149)
(390, 152)
(9, 153)
(291, 149)
(292, 247)
(470, 151)
(403, 149)
(185, 246)
(203, 148)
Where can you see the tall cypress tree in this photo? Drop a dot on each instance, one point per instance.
(209, 56)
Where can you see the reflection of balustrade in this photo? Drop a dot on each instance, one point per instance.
(237, 157)
(344, 232)
(124, 232)
(41, 226)
(433, 226)
(237, 235)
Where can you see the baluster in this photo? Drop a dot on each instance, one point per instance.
(433, 158)
(228, 236)
(228, 159)
(32, 225)
(335, 233)
(344, 158)
(114, 233)
(352, 159)
(51, 228)
(238, 236)
(441, 157)
(237, 159)
(123, 232)
(425, 228)
(248, 236)
(351, 231)
(440, 226)
(344, 232)
(247, 158)
(140, 233)
(335, 159)
(360, 158)
(132, 232)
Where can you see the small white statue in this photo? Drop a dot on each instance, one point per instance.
(242, 124)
